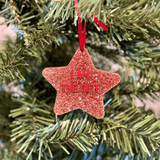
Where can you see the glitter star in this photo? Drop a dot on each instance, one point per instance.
(80, 85)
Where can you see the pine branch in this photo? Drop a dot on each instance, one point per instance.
(14, 58)
(11, 60)
(17, 54)
(45, 34)
(129, 129)
(130, 133)
(50, 134)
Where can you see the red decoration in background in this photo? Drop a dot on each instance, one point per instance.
(80, 85)
(95, 18)
(100, 23)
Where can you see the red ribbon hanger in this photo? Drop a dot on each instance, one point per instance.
(82, 34)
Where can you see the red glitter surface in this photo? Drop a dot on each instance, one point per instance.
(90, 101)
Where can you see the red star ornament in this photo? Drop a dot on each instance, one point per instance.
(80, 85)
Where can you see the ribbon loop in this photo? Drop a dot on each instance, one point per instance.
(82, 34)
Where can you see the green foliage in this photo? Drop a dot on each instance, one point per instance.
(8, 151)
(10, 60)
(132, 131)
(6, 104)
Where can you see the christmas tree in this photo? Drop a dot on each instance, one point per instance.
(121, 33)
